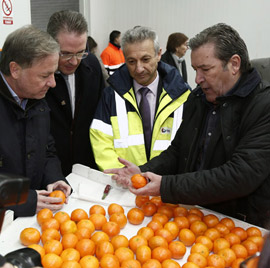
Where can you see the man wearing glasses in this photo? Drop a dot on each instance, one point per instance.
(79, 84)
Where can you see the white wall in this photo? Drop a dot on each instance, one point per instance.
(21, 15)
(250, 18)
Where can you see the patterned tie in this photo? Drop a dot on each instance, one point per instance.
(146, 118)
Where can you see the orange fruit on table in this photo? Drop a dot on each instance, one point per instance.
(187, 237)
(124, 254)
(120, 218)
(154, 225)
(198, 228)
(44, 214)
(83, 232)
(228, 222)
(51, 260)
(85, 247)
(131, 264)
(89, 261)
(182, 222)
(190, 265)
(173, 228)
(53, 246)
(70, 264)
(196, 211)
(61, 216)
(200, 248)
(152, 263)
(228, 255)
(138, 181)
(223, 229)
(141, 199)
(68, 227)
(216, 261)
(30, 236)
(102, 248)
(86, 224)
(232, 238)
(149, 209)
(240, 251)
(251, 247)
(97, 209)
(162, 218)
(212, 233)
(258, 240)
(236, 263)
(253, 231)
(205, 241)
(109, 261)
(78, 214)
(119, 241)
(170, 264)
(70, 254)
(98, 220)
(219, 244)
(157, 201)
(180, 211)
(115, 208)
(136, 241)
(50, 223)
(135, 216)
(146, 232)
(161, 254)
(50, 234)
(99, 236)
(167, 210)
(143, 253)
(198, 259)
(241, 232)
(165, 233)
(157, 241)
(69, 240)
(38, 248)
(178, 249)
(193, 217)
(58, 194)
(210, 220)
(111, 228)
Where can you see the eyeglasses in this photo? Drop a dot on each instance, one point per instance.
(69, 56)
(251, 262)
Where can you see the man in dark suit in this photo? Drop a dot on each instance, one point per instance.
(175, 51)
(79, 85)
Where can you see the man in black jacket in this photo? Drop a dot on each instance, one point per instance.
(79, 85)
(220, 155)
(29, 60)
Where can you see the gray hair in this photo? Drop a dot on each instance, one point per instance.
(66, 21)
(227, 43)
(139, 34)
(25, 45)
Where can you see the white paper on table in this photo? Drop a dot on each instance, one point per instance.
(89, 184)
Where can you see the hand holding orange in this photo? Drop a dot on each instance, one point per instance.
(138, 181)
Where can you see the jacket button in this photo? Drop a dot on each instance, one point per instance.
(28, 156)
(228, 138)
(225, 104)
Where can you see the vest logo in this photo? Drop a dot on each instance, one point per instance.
(166, 130)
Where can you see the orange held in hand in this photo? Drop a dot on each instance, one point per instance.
(138, 181)
(58, 194)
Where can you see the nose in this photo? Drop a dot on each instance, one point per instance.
(199, 77)
(139, 67)
(73, 60)
(51, 82)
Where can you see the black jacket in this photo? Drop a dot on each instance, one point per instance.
(235, 178)
(72, 135)
(167, 57)
(26, 146)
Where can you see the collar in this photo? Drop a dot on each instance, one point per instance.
(115, 45)
(153, 86)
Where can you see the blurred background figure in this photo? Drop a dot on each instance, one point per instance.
(112, 56)
(176, 48)
(93, 48)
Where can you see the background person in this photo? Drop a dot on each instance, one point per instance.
(220, 156)
(176, 48)
(112, 56)
(74, 98)
(28, 62)
(117, 129)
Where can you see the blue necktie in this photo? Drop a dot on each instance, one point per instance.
(146, 118)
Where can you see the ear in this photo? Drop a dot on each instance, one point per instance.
(159, 54)
(15, 69)
(235, 62)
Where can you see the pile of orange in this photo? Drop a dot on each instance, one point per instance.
(94, 239)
